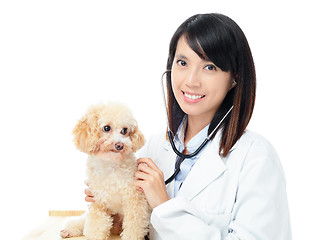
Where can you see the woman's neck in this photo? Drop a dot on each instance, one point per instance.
(194, 126)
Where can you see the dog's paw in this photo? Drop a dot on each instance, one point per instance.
(65, 234)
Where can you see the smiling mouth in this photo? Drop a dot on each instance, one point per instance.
(193, 96)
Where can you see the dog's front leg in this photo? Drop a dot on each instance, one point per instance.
(136, 217)
(97, 223)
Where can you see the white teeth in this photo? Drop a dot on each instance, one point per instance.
(193, 96)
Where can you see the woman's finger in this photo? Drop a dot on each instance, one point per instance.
(147, 162)
(143, 167)
(89, 195)
(89, 199)
(140, 175)
(88, 192)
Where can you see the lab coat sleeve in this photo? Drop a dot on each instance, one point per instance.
(260, 210)
(261, 207)
(179, 219)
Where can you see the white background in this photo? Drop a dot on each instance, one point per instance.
(59, 57)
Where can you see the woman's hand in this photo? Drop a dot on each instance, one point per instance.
(150, 180)
(89, 195)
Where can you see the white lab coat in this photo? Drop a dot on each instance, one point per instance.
(241, 196)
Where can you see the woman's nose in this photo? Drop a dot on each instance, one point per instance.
(193, 78)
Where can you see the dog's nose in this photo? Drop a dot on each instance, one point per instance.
(119, 146)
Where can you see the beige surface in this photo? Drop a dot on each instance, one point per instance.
(50, 229)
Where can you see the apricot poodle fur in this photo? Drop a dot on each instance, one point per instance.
(109, 134)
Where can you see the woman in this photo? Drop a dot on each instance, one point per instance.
(235, 187)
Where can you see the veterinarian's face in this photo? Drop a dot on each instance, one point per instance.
(198, 85)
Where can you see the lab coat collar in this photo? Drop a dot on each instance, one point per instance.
(208, 167)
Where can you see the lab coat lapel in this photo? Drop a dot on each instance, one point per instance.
(169, 167)
(207, 168)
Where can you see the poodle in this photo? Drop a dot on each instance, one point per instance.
(109, 134)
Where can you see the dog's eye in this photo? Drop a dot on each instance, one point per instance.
(124, 131)
(106, 128)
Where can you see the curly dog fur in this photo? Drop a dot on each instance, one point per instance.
(109, 134)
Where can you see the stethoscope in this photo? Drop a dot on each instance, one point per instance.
(182, 156)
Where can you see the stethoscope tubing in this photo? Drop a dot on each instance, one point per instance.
(178, 153)
(182, 156)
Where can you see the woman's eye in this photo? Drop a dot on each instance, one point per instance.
(106, 128)
(124, 131)
(210, 67)
(181, 63)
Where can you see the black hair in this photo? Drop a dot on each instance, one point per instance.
(217, 38)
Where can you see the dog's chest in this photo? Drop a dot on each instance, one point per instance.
(110, 186)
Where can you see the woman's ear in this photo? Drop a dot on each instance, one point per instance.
(234, 83)
(137, 139)
(87, 133)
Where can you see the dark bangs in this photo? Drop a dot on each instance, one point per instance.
(212, 41)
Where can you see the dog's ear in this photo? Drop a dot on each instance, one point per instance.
(87, 133)
(137, 139)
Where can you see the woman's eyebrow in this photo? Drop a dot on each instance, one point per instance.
(180, 56)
